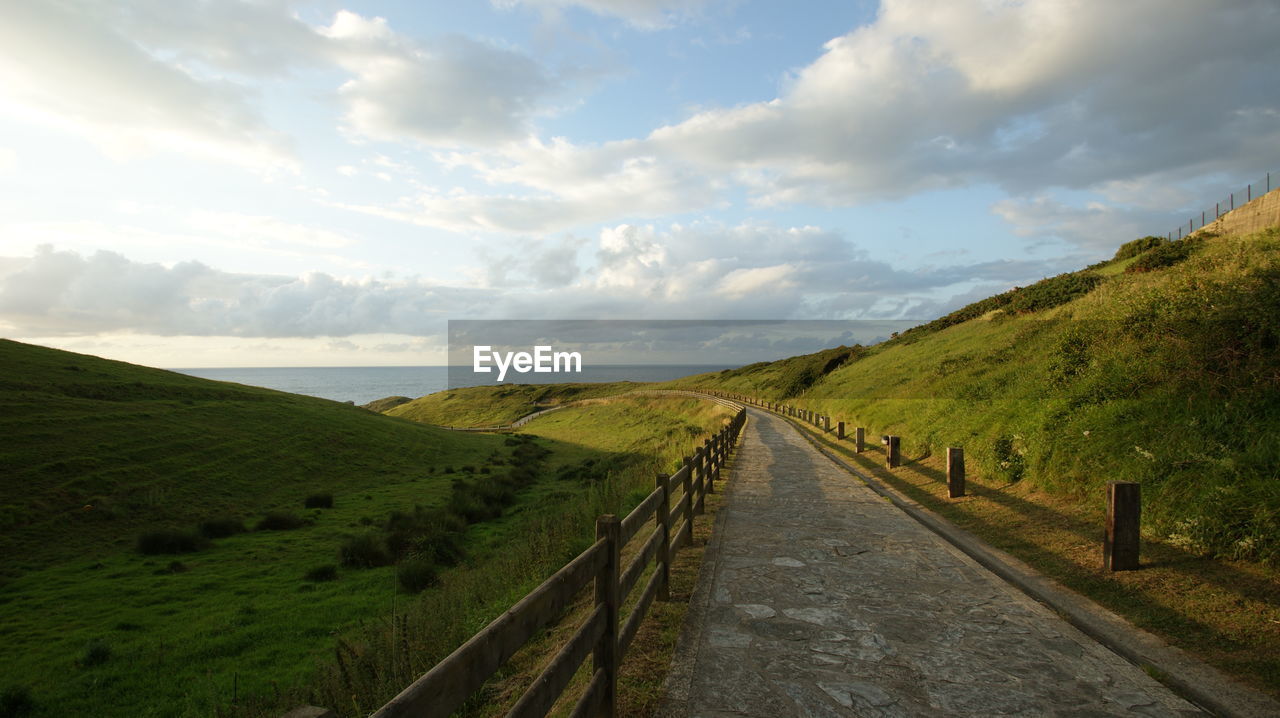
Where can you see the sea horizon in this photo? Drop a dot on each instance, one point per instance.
(363, 384)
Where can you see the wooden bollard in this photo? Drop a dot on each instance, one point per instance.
(859, 440)
(839, 429)
(1124, 518)
(955, 472)
(893, 452)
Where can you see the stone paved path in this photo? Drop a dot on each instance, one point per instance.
(819, 598)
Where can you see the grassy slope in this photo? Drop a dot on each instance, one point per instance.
(498, 405)
(147, 448)
(1169, 377)
(606, 455)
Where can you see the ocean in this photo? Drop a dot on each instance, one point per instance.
(363, 384)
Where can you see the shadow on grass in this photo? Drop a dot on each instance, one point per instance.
(1145, 605)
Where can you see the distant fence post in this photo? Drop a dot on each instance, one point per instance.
(664, 543)
(955, 472)
(605, 655)
(893, 452)
(839, 429)
(860, 440)
(1124, 516)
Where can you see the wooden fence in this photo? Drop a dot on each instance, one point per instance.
(605, 635)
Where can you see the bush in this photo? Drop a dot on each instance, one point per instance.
(417, 574)
(1165, 255)
(319, 501)
(1051, 292)
(327, 572)
(1138, 246)
(95, 654)
(364, 551)
(16, 701)
(279, 521)
(170, 541)
(221, 528)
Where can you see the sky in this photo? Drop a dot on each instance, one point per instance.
(189, 183)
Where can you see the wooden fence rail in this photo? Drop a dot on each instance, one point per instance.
(605, 635)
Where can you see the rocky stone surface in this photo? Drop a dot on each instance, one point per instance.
(819, 598)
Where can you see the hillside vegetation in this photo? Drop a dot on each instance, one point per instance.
(173, 546)
(498, 405)
(1159, 366)
(1165, 373)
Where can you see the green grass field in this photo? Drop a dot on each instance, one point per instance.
(499, 405)
(98, 453)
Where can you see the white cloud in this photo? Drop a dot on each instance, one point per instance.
(1096, 227)
(65, 64)
(1028, 96)
(740, 282)
(64, 293)
(704, 270)
(454, 91)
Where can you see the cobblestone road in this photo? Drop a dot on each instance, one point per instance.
(819, 598)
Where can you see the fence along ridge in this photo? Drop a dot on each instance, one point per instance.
(605, 635)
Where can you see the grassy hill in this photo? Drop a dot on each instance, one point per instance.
(498, 405)
(1169, 376)
(1160, 366)
(173, 546)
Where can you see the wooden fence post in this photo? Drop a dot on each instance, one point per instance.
(697, 504)
(839, 429)
(860, 440)
(687, 482)
(606, 651)
(705, 460)
(717, 454)
(664, 543)
(955, 472)
(893, 452)
(1124, 517)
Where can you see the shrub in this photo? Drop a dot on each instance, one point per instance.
(16, 701)
(364, 551)
(1138, 246)
(1165, 255)
(279, 521)
(417, 574)
(319, 501)
(1051, 292)
(170, 541)
(327, 572)
(1009, 460)
(95, 654)
(221, 527)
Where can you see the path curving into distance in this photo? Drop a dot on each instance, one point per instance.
(817, 597)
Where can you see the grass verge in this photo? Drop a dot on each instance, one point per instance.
(1225, 612)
